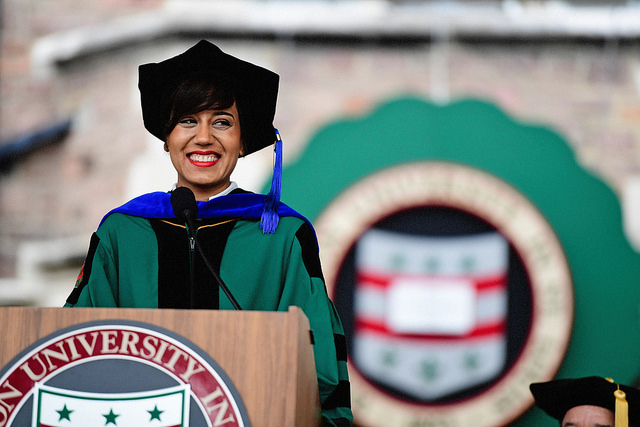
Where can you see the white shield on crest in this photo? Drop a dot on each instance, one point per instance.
(56, 407)
(430, 313)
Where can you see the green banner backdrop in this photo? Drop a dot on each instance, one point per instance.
(412, 154)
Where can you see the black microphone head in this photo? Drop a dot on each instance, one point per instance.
(184, 205)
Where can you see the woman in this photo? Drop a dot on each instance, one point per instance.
(210, 108)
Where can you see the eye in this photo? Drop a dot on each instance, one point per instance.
(222, 123)
(187, 121)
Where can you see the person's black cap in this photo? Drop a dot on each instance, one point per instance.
(254, 88)
(558, 396)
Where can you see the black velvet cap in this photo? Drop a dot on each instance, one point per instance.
(558, 396)
(254, 88)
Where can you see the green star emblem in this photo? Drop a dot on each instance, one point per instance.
(110, 417)
(64, 413)
(397, 261)
(388, 357)
(429, 370)
(471, 361)
(432, 265)
(468, 264)
(155, 413)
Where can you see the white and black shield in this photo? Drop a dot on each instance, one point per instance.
(430, 313)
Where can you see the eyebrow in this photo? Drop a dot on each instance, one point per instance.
(223, 113)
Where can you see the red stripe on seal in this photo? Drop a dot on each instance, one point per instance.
(483, 331)
(382, 281)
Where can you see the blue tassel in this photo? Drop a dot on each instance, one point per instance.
(270, 218)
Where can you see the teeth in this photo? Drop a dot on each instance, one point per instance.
(203, 158)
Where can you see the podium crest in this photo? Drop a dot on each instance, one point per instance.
(117, 373)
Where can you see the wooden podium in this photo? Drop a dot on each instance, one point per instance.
(267, 356)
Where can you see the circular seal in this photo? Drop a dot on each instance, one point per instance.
(117, 372)
(454, 291)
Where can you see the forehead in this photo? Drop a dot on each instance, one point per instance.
(588, 416)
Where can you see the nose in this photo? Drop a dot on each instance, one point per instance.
(204, 135)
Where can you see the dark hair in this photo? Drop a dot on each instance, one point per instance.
(195, 95)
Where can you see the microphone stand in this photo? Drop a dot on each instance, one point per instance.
(185, 207)
(194, 241)
(216, 276)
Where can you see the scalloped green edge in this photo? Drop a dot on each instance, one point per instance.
(537, 161)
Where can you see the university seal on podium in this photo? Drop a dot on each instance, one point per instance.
(117, 373)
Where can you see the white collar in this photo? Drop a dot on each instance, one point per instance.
(226, 191)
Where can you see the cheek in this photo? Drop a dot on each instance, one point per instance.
(175, 142)
(174, 154)
(176, 137)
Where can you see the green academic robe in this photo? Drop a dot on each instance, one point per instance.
(135, 261)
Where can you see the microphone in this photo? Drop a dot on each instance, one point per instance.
(185, 208)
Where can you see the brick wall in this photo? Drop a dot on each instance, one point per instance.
(588, 91)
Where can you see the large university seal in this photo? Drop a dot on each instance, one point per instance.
(454, 290)
(117, 373)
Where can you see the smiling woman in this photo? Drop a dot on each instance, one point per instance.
(203, 136)
(210, 108)
(204, 148)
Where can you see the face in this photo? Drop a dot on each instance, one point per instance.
(588, 416)
(204, 149)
